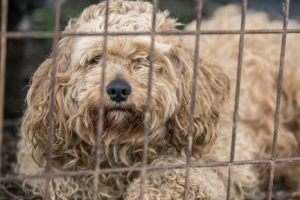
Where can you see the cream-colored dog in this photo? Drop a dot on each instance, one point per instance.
(77, 99)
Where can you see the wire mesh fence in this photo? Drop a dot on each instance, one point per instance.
(56, 34)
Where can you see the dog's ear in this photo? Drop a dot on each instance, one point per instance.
(36, 120)
(212, 90)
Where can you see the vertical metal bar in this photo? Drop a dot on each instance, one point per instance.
(51, 130)
(148, 103)
(286, 6)
(4, 12)
(100, 123)
(237, 98)
(193, 98)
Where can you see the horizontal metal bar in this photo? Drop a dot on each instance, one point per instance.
(157, 167)
(32, 34)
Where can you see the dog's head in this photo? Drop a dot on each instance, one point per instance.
(80, 90)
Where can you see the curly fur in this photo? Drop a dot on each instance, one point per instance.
(77, 99)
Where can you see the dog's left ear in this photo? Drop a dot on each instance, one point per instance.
(212, 90)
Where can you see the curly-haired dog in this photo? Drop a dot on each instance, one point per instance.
(77, 100)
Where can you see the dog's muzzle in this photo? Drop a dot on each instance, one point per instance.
(118, 90)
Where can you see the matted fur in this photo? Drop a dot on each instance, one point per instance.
(77, 99)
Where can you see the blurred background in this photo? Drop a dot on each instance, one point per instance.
(24, 55)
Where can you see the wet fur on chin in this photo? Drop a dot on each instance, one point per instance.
(128, 119)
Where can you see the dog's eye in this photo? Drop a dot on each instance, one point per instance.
(95, 60)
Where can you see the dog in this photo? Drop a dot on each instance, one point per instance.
(125, 63)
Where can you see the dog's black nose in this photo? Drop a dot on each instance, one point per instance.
(118, 90)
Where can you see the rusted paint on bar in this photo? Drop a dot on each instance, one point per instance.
(148, 103)
(193, 98)
(136, 169)
(4, 6)
(286, 6)
(51, 131)
(19, 35)
(237, 98)
(100, 123)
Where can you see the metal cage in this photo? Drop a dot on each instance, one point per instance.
(56, 34)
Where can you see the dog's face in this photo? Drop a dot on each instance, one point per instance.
(126, 72)
(125, 65)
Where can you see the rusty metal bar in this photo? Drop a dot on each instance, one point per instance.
(193, 98)
(51, 130)
(237, 98)
(4, 7)
(100, 123)
(148, 103)
(156, 167)
(286, 6)
(132, 169)
(18, 35)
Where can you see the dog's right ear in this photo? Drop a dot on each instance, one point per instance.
(212, 90)
(36, 120)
